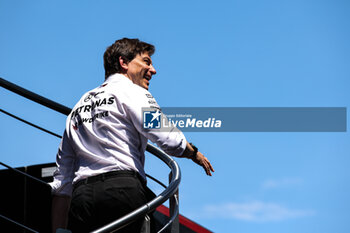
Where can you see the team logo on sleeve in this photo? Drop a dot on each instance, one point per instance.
(151, 119)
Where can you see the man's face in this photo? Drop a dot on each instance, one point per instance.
(140, 70)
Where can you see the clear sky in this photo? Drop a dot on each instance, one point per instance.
(208, 54)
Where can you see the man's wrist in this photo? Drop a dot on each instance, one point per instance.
(195, 150)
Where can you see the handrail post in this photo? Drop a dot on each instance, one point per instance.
(146, 227)
(173, 204)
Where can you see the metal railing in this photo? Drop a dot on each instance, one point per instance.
(169, 193)
(18, 224)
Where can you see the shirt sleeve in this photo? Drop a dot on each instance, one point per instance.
(64, 174)
(172, 141)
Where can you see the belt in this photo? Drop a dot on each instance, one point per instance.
(107, 175)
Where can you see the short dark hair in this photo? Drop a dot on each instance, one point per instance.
(128, 50)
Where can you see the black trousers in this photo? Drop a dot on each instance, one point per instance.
(99, 200)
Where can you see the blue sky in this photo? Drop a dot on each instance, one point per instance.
(208, 54)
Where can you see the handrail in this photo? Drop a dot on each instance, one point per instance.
(143, 210)
(155, 180)
(173, 217)
(34, 97)
(25, 174)
(29, 123)
(18, 224)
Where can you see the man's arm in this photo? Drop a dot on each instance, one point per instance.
(59, 212)
(198, 158)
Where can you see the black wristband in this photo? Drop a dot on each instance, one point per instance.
(195, 150)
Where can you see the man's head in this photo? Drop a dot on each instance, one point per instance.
(132, 58)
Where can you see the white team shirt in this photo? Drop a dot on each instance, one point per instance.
(104, 132)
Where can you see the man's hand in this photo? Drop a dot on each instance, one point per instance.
(201, 160)
(198, 158)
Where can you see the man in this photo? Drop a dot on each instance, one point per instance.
(100, 163)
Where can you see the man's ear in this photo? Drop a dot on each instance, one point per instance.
(123, 63)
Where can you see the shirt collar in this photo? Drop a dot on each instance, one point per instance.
(117, 77)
